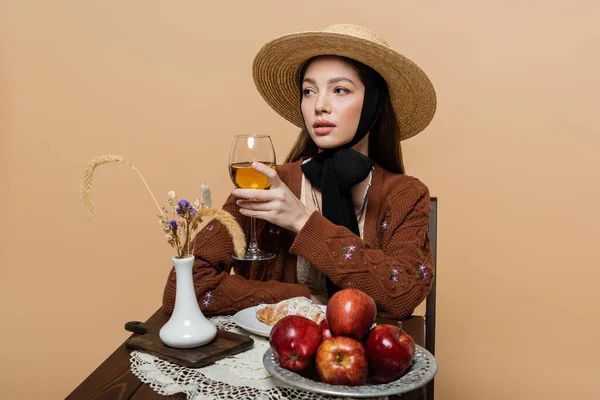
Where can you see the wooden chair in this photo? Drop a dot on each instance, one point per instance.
(430, 303)
(422, 328)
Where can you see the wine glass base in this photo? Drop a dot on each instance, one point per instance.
(255, 255)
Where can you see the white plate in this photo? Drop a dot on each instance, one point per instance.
(246, 319)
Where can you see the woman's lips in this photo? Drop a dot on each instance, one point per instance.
(323, 127)
(323, 130)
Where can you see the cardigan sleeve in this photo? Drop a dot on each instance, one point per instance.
(218, 291)
(398, 275)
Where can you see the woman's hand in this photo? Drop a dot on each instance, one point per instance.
(278, 205)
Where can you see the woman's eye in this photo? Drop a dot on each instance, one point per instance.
(341, 90)
(307, 92)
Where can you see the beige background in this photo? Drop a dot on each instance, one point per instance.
(511, 154)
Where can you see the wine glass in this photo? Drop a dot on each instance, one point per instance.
(244, 150)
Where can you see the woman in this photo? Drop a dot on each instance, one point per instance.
(340, 212)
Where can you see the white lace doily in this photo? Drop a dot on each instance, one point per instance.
(241, 376)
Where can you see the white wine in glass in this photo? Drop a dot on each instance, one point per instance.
(246, 149)
(246, 177)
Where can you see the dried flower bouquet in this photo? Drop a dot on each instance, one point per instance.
(181, 221)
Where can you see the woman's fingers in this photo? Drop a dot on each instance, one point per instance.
(254, 205)
(266, 215)
(278, 205)
(261, 195)
(269, 173)
(253, 194)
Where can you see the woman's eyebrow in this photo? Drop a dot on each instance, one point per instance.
(309, 80)
(332, 80)
(340, 79)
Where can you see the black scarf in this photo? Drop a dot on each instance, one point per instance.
(336, 171)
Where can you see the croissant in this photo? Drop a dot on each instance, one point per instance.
(271, 313)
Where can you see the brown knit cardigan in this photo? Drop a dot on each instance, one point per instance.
(393, 264)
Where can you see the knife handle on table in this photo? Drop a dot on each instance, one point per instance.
(136, 327)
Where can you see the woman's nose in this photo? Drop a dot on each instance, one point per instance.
(322, 105)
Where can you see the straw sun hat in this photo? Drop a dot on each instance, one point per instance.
(277, 65)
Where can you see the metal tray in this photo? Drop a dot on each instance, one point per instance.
(422, 370)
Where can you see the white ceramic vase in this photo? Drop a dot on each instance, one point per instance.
(187, 327)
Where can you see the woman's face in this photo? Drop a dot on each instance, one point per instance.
(332, 99)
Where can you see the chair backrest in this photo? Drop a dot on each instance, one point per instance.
(431, 297)
(430, 303)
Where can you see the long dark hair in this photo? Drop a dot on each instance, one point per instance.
(384, 146)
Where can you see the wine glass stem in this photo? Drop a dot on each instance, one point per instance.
(252, 246)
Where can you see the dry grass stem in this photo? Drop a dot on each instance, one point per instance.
(88, 174)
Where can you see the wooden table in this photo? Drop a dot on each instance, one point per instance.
(113, 379)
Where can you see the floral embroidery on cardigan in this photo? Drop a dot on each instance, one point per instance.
(423, 271)
(274, 231)
(209, 299)
(394, 275)
(384, 225)
(347, 251)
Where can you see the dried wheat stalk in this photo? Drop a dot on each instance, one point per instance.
(88, 174)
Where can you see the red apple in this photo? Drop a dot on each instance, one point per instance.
(294, 340)
(390, 352)
(325, 331)
(342, 361)
(351, 312)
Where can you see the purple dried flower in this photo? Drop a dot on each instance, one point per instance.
(182, 206)
(193, 211)
(173, 224)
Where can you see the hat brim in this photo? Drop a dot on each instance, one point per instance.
(277, 64)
